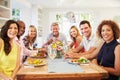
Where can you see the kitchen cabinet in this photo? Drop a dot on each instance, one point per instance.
(5, 11)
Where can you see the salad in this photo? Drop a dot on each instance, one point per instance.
(83, 60)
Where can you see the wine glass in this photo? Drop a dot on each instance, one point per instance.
(51, 53)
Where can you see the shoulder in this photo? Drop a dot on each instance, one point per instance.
(79, 38)
(49, 36)
(62, 35)
(117, 49)
(1, 42)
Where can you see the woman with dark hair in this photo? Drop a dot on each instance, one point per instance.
(109, 54)
(9, 50)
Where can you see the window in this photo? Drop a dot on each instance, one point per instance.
(66, 20)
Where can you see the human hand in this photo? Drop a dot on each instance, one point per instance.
(73, 55)
(66, 55)
(50, 41)
(11, 79)
(6, 78)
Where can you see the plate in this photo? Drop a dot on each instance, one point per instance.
(73, 61)
(35, 62)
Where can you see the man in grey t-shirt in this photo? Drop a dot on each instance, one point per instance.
(55, 35)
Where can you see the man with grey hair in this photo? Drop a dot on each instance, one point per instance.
(55, 35)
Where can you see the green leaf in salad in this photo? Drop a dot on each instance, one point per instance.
(82, 60)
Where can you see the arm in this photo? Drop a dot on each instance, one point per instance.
(71, 45)
(90, 54)
(116, 69)
(94, 53)
(72, 53)
(78, 39)
(3, 77)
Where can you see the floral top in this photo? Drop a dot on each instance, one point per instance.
(26, 42)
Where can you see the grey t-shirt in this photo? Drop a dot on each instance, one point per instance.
(61, 37)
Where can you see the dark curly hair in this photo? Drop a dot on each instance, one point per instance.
(114, 26)
(4, 36)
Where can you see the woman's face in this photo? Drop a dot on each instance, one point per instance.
(107, 33)
(73, 32)
(32, 32)
(12, 31)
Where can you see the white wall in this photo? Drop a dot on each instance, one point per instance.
(25, 11)
(28, 15)
(99, 15)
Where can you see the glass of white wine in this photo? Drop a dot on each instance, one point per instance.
(51, 53)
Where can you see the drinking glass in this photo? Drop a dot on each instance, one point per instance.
(51, 53)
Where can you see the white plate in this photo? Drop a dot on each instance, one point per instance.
(87, 63)
(69, 61)
(27, 64)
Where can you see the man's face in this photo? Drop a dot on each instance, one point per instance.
(21, 29)
(55, 30)
(85, 30)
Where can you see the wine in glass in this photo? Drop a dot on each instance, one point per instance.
(52, 53)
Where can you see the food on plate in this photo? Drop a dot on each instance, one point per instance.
(83, 60)
(35, 62)
(40, 54)
(74, 60)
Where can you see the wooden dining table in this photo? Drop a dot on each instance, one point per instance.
(91, 72)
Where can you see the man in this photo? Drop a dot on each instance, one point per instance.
(55, 35)
(89, 41)
(24, 51)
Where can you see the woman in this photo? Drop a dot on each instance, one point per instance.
(108, 54)
(75, 36)
(29, 40)
(9, 51)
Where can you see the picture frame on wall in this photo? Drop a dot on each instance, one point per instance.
(15, 14)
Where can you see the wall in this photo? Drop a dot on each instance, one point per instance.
(29, 16)
(99, 15)
(25, 11)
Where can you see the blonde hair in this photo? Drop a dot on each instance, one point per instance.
(78, 34)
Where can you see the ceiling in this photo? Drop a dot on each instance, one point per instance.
(75, 3)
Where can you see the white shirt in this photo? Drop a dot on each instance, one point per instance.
(91, 42)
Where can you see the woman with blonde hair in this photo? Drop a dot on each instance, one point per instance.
(75, 36)
(30, 39)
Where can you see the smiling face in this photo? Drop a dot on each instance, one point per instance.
(73, 32)
(21, 28)
(55, 30)
(85, 30)
(12, 31)
(32, 32)
(107, 33)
